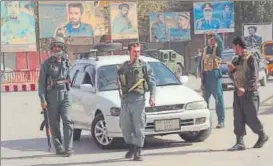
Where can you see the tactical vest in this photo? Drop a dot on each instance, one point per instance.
(240, 73)
(129, 75)
(56, 75)
(210, 61)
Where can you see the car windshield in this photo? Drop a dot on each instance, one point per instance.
(107, 76)
(268, 49)
(227, 56)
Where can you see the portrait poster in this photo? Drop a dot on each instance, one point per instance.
(124, 24)
(102, 16)
(18, 26)
(213, 16)
(68, 19)
(255, 34)
(170, 27)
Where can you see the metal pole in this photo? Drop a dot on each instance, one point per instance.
(4, 65)
(38, 33)
(27, 59)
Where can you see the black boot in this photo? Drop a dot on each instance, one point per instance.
(137, 154)
(240, 145)
(263, 138)
(130, 152)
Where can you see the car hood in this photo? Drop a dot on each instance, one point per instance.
(224, 69)
(165, 95)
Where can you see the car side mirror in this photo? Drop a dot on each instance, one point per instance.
(184, 79)
(87, 88)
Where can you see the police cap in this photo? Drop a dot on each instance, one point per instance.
(122, 5)
(207, 6)
(252, 27)
(57, 41)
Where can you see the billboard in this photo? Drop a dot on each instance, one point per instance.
(102, 17)
(170, 27)
(216, 16)
(256, 34)
(66, 19)
(18, 26)
(123, 18)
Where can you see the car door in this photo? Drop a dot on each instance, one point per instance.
(77, 107)
(88, 99)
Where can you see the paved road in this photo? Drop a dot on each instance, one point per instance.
(22, 144)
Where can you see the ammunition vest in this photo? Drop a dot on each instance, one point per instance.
(56, 73)
(241, 69)
(130, 74)
(210, 61)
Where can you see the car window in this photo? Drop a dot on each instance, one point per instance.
(87, 79)
(227, 56)
(90, 69)
(107, 76)
(74, 68)
(78, 78)
(268, 49)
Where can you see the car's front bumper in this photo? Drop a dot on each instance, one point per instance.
(189, 121)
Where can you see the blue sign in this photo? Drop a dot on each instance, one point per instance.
(213, 16)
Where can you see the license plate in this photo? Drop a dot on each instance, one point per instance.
(167, 125)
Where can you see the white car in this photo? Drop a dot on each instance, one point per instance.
(96, 103)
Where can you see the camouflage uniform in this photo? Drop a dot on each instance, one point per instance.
(246, 107)
(132, 118)
(211, 77)
(54, 88)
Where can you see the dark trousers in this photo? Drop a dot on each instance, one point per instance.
(246, 112)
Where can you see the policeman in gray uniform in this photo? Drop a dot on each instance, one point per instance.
(244, 73)
(54, 85)
(135, 77)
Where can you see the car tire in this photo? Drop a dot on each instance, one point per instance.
(111, 143)
(199, 136)
(77, 134)
(263, 81)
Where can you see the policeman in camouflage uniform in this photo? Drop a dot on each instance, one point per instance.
(54, 85)
(211, 75)
(135, 78)
(244, 72)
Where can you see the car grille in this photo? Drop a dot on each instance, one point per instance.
(164, 108)
(184, 122)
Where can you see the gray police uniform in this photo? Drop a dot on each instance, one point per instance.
(54, 89)
(246, 107)
(132, 118)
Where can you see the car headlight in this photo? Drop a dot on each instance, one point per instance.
(114, 111)
(196, 105)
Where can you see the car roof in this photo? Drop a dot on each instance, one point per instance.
(112, 60)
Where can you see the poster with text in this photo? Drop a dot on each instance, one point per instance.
(170, 27)
(66, 19)
(124, 24)
(256, 34)
(216, 16)
(18, 26)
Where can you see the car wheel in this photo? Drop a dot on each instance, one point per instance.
(100, 136)
(263, 81)
(197, 136)
(77, 134)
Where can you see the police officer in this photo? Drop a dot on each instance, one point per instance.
(244, 71)
(211, 75)
(54, 95)
(135, 77)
